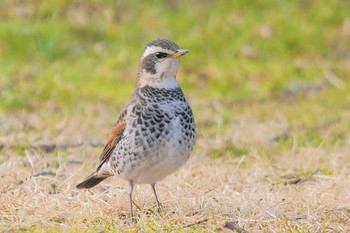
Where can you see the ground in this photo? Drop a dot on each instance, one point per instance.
(268, 85)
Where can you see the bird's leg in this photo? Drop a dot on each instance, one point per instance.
(155, 194)
(131, 187)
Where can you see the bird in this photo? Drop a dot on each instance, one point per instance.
(155, 132)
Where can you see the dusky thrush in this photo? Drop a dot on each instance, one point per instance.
(155, 132)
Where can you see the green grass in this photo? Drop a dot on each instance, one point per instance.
(67, 52)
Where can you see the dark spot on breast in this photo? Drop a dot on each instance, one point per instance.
(149, 140)
(146, 117)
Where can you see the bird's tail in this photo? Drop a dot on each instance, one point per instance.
(91, 181)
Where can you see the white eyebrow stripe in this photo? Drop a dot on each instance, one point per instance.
(154, 49)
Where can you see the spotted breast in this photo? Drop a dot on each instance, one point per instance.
(158, 138)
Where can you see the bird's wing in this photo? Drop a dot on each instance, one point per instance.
(113, 139)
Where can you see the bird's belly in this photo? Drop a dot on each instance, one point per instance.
(170, 159)
(160, 158)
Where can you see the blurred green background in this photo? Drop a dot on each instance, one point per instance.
(280, 57)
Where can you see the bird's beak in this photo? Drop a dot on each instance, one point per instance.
(179, 53)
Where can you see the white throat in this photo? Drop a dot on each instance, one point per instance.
(168, 83)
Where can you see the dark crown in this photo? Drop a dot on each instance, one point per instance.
(164, 43)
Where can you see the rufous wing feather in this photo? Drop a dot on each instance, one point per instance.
(113, 139)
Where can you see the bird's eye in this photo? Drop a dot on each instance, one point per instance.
(161, 55)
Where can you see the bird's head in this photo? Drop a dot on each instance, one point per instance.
(159, 64)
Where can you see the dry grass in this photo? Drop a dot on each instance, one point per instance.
(255, 191)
